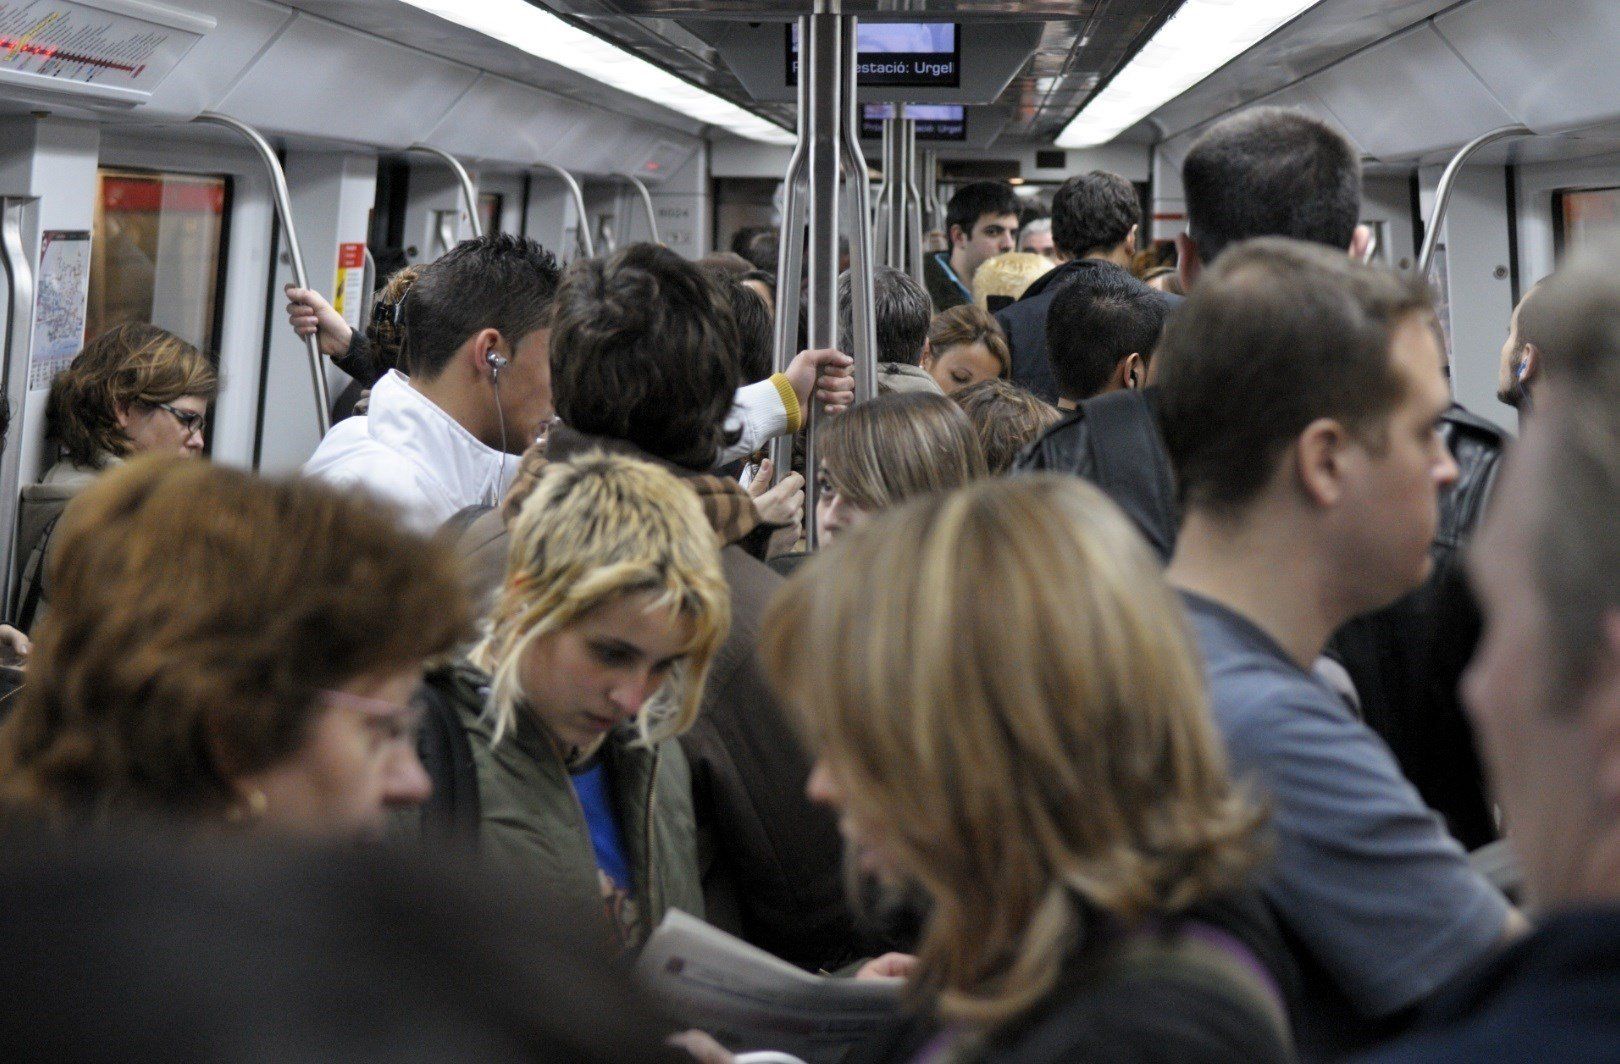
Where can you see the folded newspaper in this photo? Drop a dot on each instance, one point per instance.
(750, 1000)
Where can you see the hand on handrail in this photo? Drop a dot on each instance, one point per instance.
(830, 372)
(309, 313)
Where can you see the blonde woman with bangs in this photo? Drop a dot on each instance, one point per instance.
(594, 658)
(1017, 728)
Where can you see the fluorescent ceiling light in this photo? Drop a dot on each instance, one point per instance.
(1200, 38)
(540, 33)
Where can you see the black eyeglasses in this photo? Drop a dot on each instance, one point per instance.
(190, 420)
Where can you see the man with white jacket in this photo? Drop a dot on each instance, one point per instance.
(479, 390)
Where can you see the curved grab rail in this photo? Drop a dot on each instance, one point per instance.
(646, 203)
(582, 230)
(1442, 192)
(295, 252)
(468, 192)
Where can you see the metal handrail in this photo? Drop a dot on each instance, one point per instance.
(646, 203)
(582, 231)
(1442, 193)
(283, 204)
(20, 290)
(468, 191)
(790, 262)
(824, 64)
(863, 319)
(880, 224)
(914, 216)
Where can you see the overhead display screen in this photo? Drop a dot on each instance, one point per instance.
(935, 121)
(907, 54)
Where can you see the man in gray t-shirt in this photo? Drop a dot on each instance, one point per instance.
(1300, 395)
(1379, 900)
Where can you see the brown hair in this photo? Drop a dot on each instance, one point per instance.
(1277, 334)
(1018, 781)
(1006, 418)
(886, 450)
(969, 324)
(198, 612)
(129, 363)
(387, 330)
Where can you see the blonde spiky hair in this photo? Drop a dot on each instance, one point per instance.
(595, 529)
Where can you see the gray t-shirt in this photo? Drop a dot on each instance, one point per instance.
(1363, 875)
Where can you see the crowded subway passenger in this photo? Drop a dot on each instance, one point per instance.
(1097, 544)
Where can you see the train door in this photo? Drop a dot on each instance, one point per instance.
(180, 238)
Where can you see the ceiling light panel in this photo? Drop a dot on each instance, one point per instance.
(542, 34)
(1200, 38)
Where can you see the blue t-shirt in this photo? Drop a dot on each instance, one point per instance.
(606, 839)
(1363, 874)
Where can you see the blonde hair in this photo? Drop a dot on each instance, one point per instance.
(1007, 276)
(968, 323)
(1030, 730)
(889, 449)
(594, 530)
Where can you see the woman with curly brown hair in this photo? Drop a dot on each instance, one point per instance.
(224, 648)
(135, 389)
(1017, 727)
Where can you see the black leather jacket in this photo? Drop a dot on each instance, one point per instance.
(1134, 471)
(1407, 658)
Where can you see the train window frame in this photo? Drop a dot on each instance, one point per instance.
(1560, 217)
(216, 323)
(249, 287)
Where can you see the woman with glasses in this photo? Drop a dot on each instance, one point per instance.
(135, 389)
(210, 658)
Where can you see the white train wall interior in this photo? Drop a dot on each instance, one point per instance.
(117, 204)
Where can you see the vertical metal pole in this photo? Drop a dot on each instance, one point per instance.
(930, 187)
(894, 239)
(825, 66)
(862, 318)
(914, 216)
(14, 346)
(468, 192)
(885, 192)
(283, 204)
(790, 256)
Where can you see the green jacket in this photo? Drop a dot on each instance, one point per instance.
(532, 826)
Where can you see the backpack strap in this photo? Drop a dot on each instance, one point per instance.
(454, 811)
(1207, 957)
(1131, 464)
(33, 578)
(456, 525)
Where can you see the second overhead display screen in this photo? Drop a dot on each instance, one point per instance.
(923, 54)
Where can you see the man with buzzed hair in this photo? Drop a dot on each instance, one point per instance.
(1270, 171)
(1302, 397)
